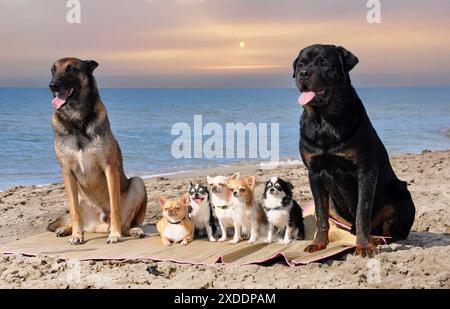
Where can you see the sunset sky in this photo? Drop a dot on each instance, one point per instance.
(223, 43)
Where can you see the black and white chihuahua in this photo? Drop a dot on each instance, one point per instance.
(200, 210)
(282, 211)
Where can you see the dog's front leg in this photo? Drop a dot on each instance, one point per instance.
(367, 182)
(70, 183)
(113, 179)
(187, 240)
(287, 236)
(209, 232)
(237, 232)
(223, 228)
(269, 238)
(253, 231)
(321, 202)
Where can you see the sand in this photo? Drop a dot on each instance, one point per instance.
(422, 261)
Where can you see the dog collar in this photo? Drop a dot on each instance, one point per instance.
(276, 208)
(222, 206)
(177, 222)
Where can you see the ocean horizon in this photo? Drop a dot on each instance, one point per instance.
(407, 119)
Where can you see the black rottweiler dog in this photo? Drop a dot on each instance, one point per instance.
(350, 175)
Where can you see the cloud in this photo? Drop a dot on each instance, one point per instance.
(181, 2)
(190, 2)
(200, 37)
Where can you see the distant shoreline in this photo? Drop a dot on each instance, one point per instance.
(446, 132)
(243, 167)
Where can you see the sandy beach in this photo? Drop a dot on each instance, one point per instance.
(422, 261)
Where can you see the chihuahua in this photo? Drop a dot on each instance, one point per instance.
(247, 214)
(200, 211)
(282, 211)
(175, 225)
(220, 199)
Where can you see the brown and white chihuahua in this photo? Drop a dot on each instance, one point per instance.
(175, 225)
(248, 215)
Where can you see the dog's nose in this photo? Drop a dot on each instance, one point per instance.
(272, 189)
(235, 193)
(54, 85)
(304, 74)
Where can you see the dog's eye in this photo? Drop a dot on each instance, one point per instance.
(241, 190)
(71, 69)
(53, 70)
(320, 62)
(221, 185)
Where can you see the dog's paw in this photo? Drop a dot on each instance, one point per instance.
(184, 242)
(166, 243)
(285, 241)
(63, 231)
(137, 232)
(268, 240)
(75, 240)
(212, 239)
(366, 250)
(234, 241)
(252, 240)
(222, 239)
(114, 238)
(315, 247)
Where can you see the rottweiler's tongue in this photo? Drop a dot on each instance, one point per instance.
(306, 97)
(60, 99)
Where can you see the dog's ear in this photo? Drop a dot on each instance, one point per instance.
(234, 176)
(191, 184)
(294, 66)
(347, 58)
(161, 200)
(185, 199)
(251, 180)
(91, 65)
(209, 180)
(290, 185)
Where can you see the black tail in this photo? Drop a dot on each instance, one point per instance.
(296, 219)
(212, 221)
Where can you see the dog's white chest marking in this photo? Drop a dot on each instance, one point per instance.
(276, 216)
(242, 214)
(79, 156)
(200, 214)
(225, 215)
(279, 218)
(175, 232)
(84, 165)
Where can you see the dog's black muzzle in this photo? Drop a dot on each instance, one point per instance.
(55, 85)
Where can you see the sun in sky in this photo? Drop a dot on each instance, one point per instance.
(242, 44)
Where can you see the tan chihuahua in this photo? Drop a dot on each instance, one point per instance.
(175, 225)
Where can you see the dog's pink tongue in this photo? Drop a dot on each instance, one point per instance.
(198, 200)
(59, 100)
(306, 97)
